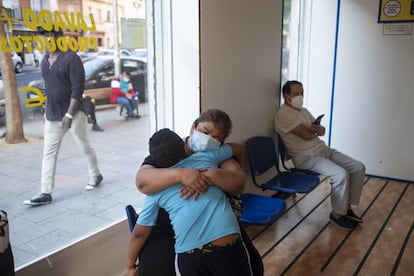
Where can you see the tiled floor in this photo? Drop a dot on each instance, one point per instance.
(74, 212)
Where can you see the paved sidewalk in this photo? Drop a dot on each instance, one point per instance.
(74, 212)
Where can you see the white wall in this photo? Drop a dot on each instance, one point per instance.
(240, 46)
(373, 112)
(240, 62)
(373, 91)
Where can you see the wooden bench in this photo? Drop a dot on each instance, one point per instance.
(105, 106)
(100, 97)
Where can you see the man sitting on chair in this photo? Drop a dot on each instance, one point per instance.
(123, 93)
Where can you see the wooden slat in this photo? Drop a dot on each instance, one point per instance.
(406, 264)
(276, 232)
(331, 237)
(254, 230)
(383, 256)
(303, 242)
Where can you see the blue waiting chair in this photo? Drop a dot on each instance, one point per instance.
(261, 210)
(263, 156)
(285, 157)
(132, 216)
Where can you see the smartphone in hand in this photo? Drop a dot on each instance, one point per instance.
(318, 120)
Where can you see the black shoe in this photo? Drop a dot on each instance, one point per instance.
(98, 181)
(95, 127)
(352, 216)
(39, 199)
(342, 222)
(134, 116)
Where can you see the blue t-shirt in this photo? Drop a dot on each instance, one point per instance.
(195, 222)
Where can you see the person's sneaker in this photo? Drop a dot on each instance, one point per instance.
(98, 181)
(95, 127)
(342, 222)
(134, 116)
(39, 199)
(352, 216)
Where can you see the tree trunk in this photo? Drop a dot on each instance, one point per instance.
(14, 122)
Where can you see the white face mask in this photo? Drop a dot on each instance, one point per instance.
(203, 142)
(297, 102)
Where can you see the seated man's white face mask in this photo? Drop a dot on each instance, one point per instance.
(202, 142)
(297, 102)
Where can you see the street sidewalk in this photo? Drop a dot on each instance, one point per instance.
(74, 213)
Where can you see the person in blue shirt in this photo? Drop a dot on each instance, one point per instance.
(206, 230)
(153, 177)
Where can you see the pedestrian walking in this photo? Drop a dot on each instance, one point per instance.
(64, 77)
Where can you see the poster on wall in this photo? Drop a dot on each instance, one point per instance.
(134, 26)
(396, 11)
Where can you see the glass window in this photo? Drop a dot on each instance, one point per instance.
(295, 37)
(34, 235)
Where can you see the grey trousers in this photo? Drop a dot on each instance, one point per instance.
(346, 177)
(53, 136)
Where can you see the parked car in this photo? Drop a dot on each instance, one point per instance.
(87, 54)
(2, 100)
(99, 73)
(141, 53)
(110, 52)
(17, 63)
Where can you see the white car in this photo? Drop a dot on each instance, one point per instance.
(110, 52)
(17, 63)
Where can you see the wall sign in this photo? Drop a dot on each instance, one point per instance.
(396, 11)
(397, 29)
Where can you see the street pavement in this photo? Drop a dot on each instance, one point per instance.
(74, 212)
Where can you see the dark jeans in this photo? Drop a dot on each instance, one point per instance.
(218, 261)
(256, 261)
(6, 262)
(6, 254)
(129, 104)
(157, 257)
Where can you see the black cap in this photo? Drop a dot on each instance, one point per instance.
(166, 148)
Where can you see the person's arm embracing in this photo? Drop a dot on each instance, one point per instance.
(229, 177)
(150, 180)
(138, 238)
